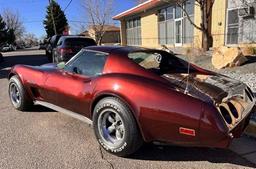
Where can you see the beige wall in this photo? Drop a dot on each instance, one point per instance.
(197, 33)
(219, 22)
(149, 30)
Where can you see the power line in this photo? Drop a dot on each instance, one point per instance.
(68, 5)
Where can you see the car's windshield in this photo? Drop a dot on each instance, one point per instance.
(162, 62)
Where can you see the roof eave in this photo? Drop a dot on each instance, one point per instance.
(137, 9)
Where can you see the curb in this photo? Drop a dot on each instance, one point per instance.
(251, 129)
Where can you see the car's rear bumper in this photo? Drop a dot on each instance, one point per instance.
(239, 129)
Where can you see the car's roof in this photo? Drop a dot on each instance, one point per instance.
(74, 36)
(117, 49)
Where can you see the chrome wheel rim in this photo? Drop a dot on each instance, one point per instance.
(15, 94)
(111, 128)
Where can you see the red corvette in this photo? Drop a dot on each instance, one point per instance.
(135, 95)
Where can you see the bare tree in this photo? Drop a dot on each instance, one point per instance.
(13, 22)
(99, 14)
(30, 39)
(206, 12)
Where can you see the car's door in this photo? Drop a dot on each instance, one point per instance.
(71, 88)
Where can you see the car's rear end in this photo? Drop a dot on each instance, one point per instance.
(71, 46)
(234, 111)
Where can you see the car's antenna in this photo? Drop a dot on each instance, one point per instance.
(188, 76)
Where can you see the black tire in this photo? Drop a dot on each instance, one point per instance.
(23, 101)
(128, 140)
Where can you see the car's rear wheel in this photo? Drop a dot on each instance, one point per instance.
(115, 127)
(17, 94)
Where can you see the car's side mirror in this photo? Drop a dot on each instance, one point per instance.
(61, 65)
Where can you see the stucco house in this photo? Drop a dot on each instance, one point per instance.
(111, 34)
(155, 23)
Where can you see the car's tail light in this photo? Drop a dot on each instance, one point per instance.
(233, 110)
(65, 51)
(226, 114)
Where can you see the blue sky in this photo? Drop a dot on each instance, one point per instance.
(32, 12)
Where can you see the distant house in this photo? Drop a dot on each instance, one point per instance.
(155, 23)
(111, 35)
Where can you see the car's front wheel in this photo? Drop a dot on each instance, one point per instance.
(115, 127)
(17, 94)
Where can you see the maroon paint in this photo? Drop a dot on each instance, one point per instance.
(159, 110)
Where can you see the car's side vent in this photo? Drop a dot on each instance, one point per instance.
(35, 92)
(250, 91)
(249, 94)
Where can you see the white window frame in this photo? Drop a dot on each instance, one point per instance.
(226, 29)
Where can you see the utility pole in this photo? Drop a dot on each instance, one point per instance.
(53, 21)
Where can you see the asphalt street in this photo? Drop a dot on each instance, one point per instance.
(44, 139)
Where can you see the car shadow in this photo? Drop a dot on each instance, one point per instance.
(33, 60)
(4, 73)
(9, 61)
(40, 109)
(176, 153)
(250, 60)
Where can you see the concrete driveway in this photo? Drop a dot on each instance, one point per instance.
(44, 139)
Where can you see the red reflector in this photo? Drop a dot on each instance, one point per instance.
(186, 131)
(65, 50)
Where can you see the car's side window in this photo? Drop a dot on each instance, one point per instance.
(88, 63)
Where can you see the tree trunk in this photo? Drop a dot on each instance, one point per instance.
(99, 41)
(205, 28)
(206, 41)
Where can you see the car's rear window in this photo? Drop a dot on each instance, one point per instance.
(162, 61)
(79, 42)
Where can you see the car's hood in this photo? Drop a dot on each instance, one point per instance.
(49, 67)
(211, 88)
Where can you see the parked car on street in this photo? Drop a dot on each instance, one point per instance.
(68, 46)
(135, 95)
(8, 47)
(52, 43)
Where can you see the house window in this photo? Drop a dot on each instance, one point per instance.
(188, 28)
(133, 32)
(166, 25)
(174, 26)
(232, 26)
(241, 22)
